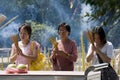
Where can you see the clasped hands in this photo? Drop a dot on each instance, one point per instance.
(59, 52)
(19, 51)
(96, 49)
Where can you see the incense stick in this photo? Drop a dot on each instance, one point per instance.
(2, 18)
(90, 37)
(8, 22)
(14, 38)
(54, 42)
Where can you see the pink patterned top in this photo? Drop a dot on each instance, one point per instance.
(26, 50)
(61, 63)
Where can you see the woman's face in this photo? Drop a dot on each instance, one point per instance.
(63, 32)
(97, 39)
(24, 35)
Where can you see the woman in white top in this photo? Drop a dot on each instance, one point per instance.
(101, 52)
(106, 52)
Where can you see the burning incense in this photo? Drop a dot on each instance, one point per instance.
(83, 53)
(14, 38)
(2, 18)
(8, 22)
(2, 63)
(90, 37)
(54, 42)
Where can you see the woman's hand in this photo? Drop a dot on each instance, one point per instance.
(19, 51)
(95, 48)
(53, 53)
(61, 53)
(57, 52)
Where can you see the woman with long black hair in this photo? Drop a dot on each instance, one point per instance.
(101, 51)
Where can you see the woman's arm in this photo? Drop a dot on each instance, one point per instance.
(53, 56)
(103, 56)
(72, 56)
(90, 56)
(90, 53)
(33, 56)
(34, 48)
(13, 55)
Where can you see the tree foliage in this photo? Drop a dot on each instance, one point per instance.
(107, 12)
(42, 32)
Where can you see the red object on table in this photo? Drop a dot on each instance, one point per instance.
(15, 71)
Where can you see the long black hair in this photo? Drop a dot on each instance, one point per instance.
(100, 31)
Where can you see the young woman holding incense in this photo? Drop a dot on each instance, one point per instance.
(101, 51)
(22, 53)
(64, 56)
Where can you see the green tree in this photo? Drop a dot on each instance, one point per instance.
(107, 12)
(42, 33)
